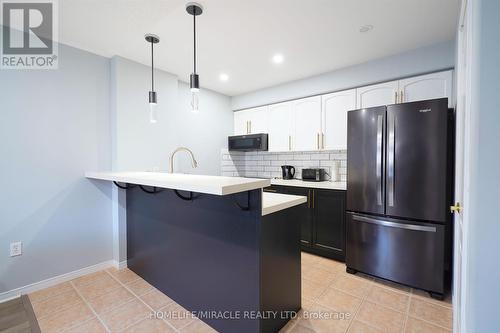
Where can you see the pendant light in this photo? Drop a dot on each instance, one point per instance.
(194, 9)
(152, 39)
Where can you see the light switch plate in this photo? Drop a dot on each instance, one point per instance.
(16, 249)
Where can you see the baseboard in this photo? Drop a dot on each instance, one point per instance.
(120, 265)
(14, 293)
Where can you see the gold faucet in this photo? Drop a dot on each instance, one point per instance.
(171, 159)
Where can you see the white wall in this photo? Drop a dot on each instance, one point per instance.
(483, 270)
(140, 145)
(424, 60)
(54, 125)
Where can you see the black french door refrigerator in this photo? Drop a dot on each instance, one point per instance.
(399, 185)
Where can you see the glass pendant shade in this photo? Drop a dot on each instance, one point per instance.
(194, 100)
(153, 116)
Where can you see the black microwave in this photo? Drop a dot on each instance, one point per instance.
(250, 142)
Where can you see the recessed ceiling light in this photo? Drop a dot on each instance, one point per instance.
(223, 77)
(278, 58)
(366, 28)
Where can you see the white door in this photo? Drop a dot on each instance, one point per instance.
(280, 122)
(307, 121)
(241, 119)
(435, 85)
(461, 221)
(334, 118)
(258, 120)
(377, 94)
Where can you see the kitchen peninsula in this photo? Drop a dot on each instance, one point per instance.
(215, 244)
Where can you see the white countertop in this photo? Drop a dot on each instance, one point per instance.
(328, 185)
(195, 183)
(273, 202)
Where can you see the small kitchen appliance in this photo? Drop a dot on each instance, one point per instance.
(288, 171)
(313, 175)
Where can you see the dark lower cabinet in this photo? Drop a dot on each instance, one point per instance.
(322, 220)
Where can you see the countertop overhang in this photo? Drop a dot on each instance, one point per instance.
(274, 202)
(327, 185)
(216, 185)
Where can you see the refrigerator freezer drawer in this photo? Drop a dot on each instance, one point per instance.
(406, 252)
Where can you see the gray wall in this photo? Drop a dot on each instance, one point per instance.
(419, 61)
(484, 246)
(54, 126)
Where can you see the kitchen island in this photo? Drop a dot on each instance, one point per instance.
(218, 246)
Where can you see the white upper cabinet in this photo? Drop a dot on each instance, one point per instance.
(334, 118)
(307, 121)
(251, 121)
(241, 122)
(258, 120)
(435, 85)
(280, 124)
(377, 95)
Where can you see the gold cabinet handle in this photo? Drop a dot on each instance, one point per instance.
(289, 142)
(322, 140)
(308, 198)
(456, 208)
(395, 97)
(250, 127)
(317, 141)
(313, 199)
(247, 126)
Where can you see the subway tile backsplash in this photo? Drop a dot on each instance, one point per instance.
(268, 164)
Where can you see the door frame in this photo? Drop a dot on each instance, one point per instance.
(462, 161)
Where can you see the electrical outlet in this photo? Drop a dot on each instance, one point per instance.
(16, 249)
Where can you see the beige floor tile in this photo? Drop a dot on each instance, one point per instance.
(393, 285)
(339, 301)
(323, 320)
(301, 329)
(150, 325)
(124, 275)
(318, 275)
(426, 297)
(71, 317)
(330, 265)
(139, 287)
(98, 287)
(389, 297)
(56, 303)
(381, 317)
(125, 315)
(359, 327)
(198, 326)
(308, 258)
(289, 326)
(352, 285)
(89, 278)
(50, 292)
(414, 325)
(156, 299)
(176, 315)
(312, 290)
(431, 312)
(91, 326)
(111, 300)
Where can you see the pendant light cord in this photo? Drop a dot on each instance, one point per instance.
(194, 39)
(152, 69)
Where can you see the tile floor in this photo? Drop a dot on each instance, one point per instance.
(333, 301)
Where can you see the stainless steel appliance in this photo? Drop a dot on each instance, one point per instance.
(313, 175)
(250, 142)
(399, 185)
(287, 171)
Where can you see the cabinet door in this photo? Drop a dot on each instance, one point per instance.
(329, 222)
(377, 95)
(241, 122)
(258, 120)
(430, 86)
(279, 127)
(307, 121)
(334, 118)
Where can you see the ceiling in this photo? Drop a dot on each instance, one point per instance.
(239, 37)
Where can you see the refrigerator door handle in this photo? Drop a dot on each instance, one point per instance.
(378, 165)
(390, 158)
(394, 224)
